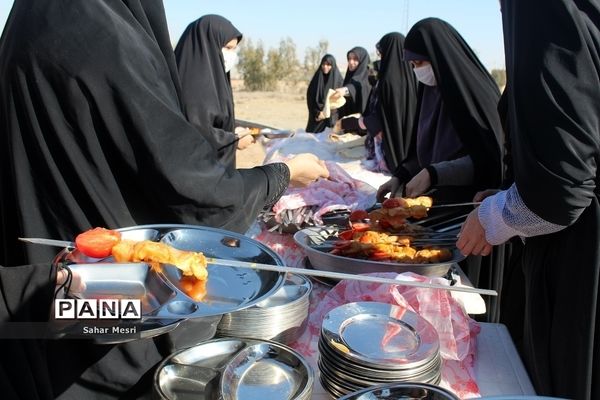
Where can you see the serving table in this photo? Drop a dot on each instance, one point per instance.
(496, 364)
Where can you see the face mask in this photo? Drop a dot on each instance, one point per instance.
(425, 74)
(230, 59)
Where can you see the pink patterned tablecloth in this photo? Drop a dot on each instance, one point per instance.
(457, 331)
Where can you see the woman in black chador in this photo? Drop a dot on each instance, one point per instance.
(92, 133)
(327, 77)
(457, 145)
(553, 121)
(356, 87)
(205, 55)
(393, 102)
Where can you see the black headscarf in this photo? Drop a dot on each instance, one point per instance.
(358, 85)
(468, 92)
(205, 86)
(92, 134)
(397, 91)
(554, 123)
(317, 92)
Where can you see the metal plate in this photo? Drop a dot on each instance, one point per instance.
(233, 368)
(276, 133)
(309, 237)
(415, 391)
(398, 338)
(229, 289)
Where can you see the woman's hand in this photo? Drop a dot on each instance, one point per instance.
(339, 92)
(245, 141)
(320, 116)
(419, 184)
(77, 285)
(471, 238)
(392, 187)
(305, 169)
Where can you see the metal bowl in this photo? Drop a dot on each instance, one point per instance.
(319, 259)
(412, 391)
(234, 369)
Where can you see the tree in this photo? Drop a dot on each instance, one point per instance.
(283, 63)
(263, 73)
(251, 66)
(499, 76)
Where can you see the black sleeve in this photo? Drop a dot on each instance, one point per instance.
(26, 296)
(27, 292)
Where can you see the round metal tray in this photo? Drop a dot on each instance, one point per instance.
(399, 339)
(309, 237)
(164, 303)
(421, 391)
(234, 368)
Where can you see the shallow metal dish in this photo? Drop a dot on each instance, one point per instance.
(399, 339)
(413, 391)
(233, 368)
(228, 289)
(313, 236)
(276, 133)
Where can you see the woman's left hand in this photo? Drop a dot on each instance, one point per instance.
(472, 237)
(245, 141)
(418, 184)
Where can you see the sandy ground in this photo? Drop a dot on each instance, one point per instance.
(282, 110)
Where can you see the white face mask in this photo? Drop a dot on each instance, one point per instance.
(425, 74)
(230, 58)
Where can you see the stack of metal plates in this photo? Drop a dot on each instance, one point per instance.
(281, 317)
(368, 343)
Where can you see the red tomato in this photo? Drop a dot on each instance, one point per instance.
(360, 226)
(97, 242)
(358, 215)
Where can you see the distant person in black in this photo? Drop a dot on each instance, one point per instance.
(205, 55)
(356, 87)
(327, 77)
(553, 120)
(391, 112)
(457, 145)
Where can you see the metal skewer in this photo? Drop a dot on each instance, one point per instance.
(301, 271)
(471, 203)
(340, 275)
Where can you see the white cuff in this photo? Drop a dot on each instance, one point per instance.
(490, 217)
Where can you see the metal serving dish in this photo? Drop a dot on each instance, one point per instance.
(314, 236)
(393, 391)
(276, 133)
(228, 289)
(234, 369)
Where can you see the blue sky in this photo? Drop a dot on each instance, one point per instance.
(344, 24)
